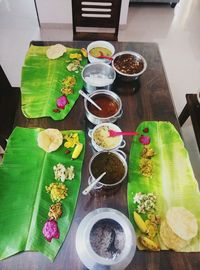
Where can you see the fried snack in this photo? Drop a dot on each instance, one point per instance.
(182, 222)
(170, 239)
(55, 51)
(55, 211)
(50, 139)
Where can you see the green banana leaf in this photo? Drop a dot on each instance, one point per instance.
(24, 173)
(41, 83)
(173, 181)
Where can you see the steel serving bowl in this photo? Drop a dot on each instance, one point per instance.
(84, 247)
(122, 157)
(98, 120)
(97, 76)
(100, 43)
(126, 76)
(119, 144)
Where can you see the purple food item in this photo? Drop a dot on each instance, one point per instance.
(145, 139)
(50, 230)
(61, 102)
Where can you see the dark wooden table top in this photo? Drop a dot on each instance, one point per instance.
(146, 99)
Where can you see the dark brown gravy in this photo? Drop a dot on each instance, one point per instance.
(108, 105)
(111, 164)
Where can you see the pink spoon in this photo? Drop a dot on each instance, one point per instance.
(104, 56)
(113, 133)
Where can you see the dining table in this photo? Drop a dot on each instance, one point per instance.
(145, 99)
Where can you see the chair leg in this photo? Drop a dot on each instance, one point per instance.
(184, 115)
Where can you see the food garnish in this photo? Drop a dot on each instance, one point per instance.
(146, 203)
(50, 230)
(58, 191)
(77, 151)
(71, 140)
(144, 139)
(50, 139)
(55, 211)
(63, 173)
(61, 102)
(55, 51)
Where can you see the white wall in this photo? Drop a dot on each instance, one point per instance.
(59, 11)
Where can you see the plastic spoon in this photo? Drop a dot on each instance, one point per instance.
(90, 187)
(113, 133)
(105, 56)
(89, 99)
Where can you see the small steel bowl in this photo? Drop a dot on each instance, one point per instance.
(97, 76)
(100, 43)
(118, 145)
(122, 157)
(125, 76)
(98, 120)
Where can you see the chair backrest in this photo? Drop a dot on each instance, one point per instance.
(9, 100)
(101, 14)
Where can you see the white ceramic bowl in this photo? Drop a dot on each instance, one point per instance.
(118, 141)
(100, 43)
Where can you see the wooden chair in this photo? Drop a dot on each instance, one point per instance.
(9, 100)
(192, 109)
(106, 16)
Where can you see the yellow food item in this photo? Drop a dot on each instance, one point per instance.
(102, 138)
(75, 56)
(148, 243)
(55, 211)
(84, 52)
(146, 167)
(55, 51)
(170, 239)
(50, 139)
(140, 222)
(69, 81)
(71, 140)
(147, 152)
(67, 91)
(77, 151)
(58, 191)
(182, 222)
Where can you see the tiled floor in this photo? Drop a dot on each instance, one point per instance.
(175, 30)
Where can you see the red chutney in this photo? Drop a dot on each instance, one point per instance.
(108, 105)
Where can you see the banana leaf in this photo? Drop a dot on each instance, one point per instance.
(172, 180)
(41, 83)
(24, 173)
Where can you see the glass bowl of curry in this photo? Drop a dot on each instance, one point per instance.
(129, 65)
(113, 163)
(110, 104)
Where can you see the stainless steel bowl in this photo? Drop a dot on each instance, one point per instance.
(97, 76)
(98, 120)
(122, 157)
(84, 248)
(129, 77)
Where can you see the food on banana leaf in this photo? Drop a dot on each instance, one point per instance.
(58, 191)
(77, 151)
(55, 211)
(74, 66)
(63, 173)
(170, 239)
(61, 102)
(149, 243)
(84, 52)
(147, 152)
(146, 203)
(75, 56)
(71, 140)
(68, 84)
(140, 222)
(50, 139)
(182, 222)
(144, 139)
(55, 51)
(50, 230)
